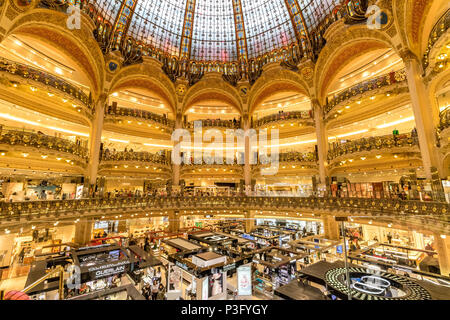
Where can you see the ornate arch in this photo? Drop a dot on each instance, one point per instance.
(212, 87)
(346, 44)
(78, 44)
(275, 80)
(147, 75)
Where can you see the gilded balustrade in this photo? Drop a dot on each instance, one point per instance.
(211, 123)
(135, 156)
(360, 206)
(41, 141)
(291, 115)
(113, 113)
(298, 157)
(47, 79)
(366, 86)
(372, 143)
(438, 30)
(444, 119)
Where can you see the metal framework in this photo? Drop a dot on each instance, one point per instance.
(299, 24)
(241, 37)
(188, 26)
(123, 20)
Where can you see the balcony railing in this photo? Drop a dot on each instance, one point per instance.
(102, 206)
(30, 73)
(372, 143)
(445, 119)
(112, 112)
(210, 123)
(439, 29)
(134, 156)
(41, 141)
(366, 86)
(292, 115)
(298, 157)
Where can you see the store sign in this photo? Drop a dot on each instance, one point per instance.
(215, 238)
(109, 269)
(181, 265)
(244, 275)
(229, 267)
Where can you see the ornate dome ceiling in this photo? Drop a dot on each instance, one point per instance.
(215, 30)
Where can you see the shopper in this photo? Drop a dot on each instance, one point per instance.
(146, 291)
(155, 290)
(389, 237)
(161, 292)
(158, 274)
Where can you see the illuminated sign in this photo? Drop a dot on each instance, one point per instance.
(371, 285)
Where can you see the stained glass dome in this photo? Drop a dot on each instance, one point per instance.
(215, 30)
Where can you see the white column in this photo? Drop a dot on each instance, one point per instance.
(95, 139)
(247, 166)
(426, 116)
(442, 246)
(176, 167)
(322, 143)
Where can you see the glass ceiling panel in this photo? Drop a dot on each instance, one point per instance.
(159, 23)
(214, 31)
(314, 11)
(108, 9)
(268, 26)
(267, 23)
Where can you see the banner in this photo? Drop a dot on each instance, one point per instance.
(244, 275)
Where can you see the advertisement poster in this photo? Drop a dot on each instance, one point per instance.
(215, 284)
(174, 279)
(205, 289)
(244, 275)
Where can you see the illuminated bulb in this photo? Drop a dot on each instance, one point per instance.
(443, 236)
(34, 89)
(64, 100)
(67, 161)
(25, 155)
(378, 157)
(44, 157)
(2, 153)
(363, 158)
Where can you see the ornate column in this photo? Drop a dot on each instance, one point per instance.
(174, 221)
(249, 221)
(83, 232)
(95, 139)
(331, 228)
(426, 117)
(176, 167)
(322, 144)
(443, 249)
(246, 125)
